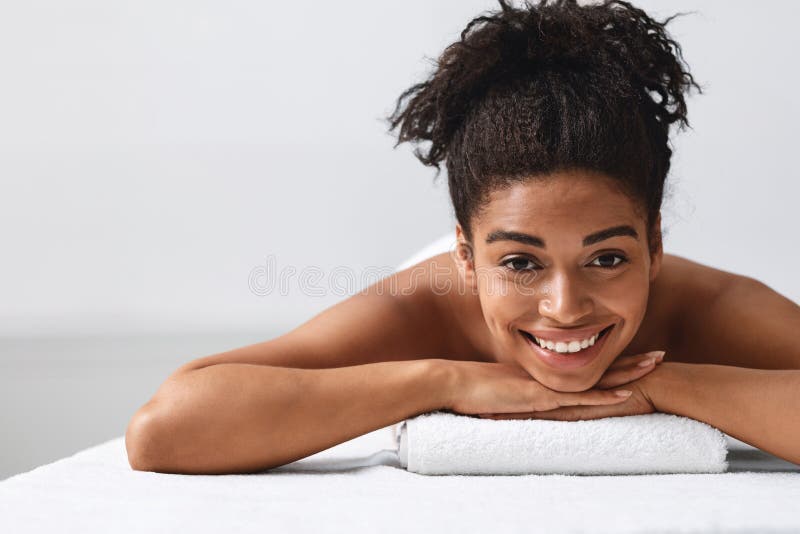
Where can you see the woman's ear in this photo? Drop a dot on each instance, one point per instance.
(464, 258)
(656, 248)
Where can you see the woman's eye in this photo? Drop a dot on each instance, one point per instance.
(608, 261)
(520, 264)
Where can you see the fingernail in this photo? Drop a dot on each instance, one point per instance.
(657, 354)
(647, 363)
(623, 393)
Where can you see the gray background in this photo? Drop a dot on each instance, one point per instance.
(154, 154)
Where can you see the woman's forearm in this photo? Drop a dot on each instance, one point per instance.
(230, 418)
(760, 407)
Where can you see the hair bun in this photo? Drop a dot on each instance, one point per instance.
(613, 40)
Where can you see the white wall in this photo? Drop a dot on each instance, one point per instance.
(152, 154)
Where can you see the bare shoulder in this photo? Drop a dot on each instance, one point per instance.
(714, 316)
(400, 317)
(682, 286)
(691, 277)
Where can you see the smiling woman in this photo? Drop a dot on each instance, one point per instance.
(558, 301)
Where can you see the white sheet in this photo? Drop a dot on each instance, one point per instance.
(358, 486)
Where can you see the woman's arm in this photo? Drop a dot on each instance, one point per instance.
(360, 365)
(758, 406)
(239, 417)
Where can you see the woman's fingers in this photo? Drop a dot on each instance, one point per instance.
(592, 397)
(633, 368)
(624, 362)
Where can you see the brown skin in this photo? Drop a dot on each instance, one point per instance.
(732, 359)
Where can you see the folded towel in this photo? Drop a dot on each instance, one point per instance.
(445, 443)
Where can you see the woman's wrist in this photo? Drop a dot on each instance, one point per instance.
(443, 381)
(668, 383)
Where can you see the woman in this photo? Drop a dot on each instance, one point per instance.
(558, 302)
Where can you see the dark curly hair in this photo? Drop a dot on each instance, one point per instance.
(550, 87)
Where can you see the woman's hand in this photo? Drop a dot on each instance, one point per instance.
(502, 390)
(625, 370)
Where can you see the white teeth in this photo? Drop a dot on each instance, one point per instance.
(566, 346)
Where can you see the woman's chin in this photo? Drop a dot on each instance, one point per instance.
(573, 387)
(574, 382)
(566, 384)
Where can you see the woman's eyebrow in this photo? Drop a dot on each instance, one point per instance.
(535, 241)
(614, 231)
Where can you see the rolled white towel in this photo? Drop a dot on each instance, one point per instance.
(445, 443)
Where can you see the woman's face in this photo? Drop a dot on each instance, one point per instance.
(560, 258)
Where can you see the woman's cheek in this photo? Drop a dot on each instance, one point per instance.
(503, 304)
(627, 301)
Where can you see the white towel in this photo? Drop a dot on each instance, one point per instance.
(446, 443)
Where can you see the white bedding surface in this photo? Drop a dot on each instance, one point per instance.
(358, 487)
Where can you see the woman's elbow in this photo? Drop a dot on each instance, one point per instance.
(143, 440)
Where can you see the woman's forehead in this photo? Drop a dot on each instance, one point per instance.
(569, 203)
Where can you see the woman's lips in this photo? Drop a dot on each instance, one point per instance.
(568, 360)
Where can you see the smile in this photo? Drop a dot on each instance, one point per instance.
(566, 346)
(560, 356)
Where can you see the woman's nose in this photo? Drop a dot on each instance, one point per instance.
(564, 300)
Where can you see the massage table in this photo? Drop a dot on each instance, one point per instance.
(359, 486)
